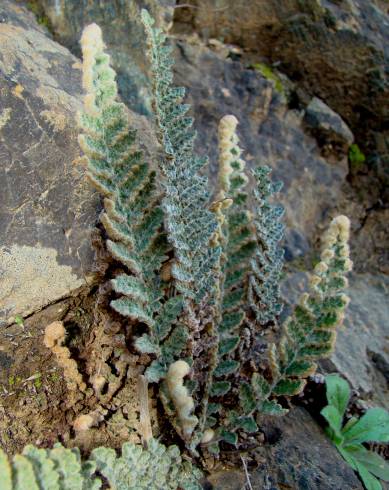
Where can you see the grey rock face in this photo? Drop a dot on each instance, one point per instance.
(302, 458)
(327, 125)
(47, 209)
(123, 34)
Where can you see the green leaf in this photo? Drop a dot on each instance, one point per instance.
(271, 407)
(289, 387)
(220, 388)
(167, 316)
(373, 426)
(260, 386)
(338, 393)
(146, 345)
(334, 419)
(372, 461)
(247, 424)
(370, 482)
(227, 345)
(225, 368)
(247, 398)
(127, 307)
(229, 437)
(156, 371)
(301, 369)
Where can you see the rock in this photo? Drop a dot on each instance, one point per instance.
(362, 348)
(123, 34)
(270, 134)
(338, 51)
(299, 456)
(47, 209)
(328, 127)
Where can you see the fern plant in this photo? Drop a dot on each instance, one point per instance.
(349, 438)
(155, 468)
(199, 274)
(133, 215)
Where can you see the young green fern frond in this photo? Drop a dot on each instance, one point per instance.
(189, 223)
(266, 265)
(133, 216)
(310, 333)
(155, 468)
(236, 238)
(48, 469)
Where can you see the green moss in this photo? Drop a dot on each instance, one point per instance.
(356, 157)
(19, 320)
(269, 74)
(39, 13)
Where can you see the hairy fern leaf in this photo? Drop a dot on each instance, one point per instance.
(133, 216)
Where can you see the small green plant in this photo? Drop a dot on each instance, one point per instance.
(356, 157)
(349, 438)
(19, 321)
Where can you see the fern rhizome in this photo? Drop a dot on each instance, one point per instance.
(201, 274)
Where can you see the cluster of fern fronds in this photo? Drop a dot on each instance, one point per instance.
(201, 274)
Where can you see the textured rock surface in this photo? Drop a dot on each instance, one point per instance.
(288, 463)
(296, 455)
(337, 50)
(47, 210)
(270, 133)
(327, 125)
(362, 348)
(123, 34)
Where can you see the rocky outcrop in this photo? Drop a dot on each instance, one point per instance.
(122, 32)
(335, 50)
(47, 209)
(295, 454)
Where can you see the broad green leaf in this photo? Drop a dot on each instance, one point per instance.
(226, 367)
(373, 426)
(372, 461)
(370, 482)
(333, 417)
(338, 393)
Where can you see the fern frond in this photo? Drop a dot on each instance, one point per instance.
(155, 468)
(48, 469)
(190, 224)
(310, 332)
(133, 216)
(266, 265)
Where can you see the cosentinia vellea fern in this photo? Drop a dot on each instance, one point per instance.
(155, 468)
(267, 262)
(191, 226)
(133, 217)
(310, 332)
(237, 240)
(189, 223)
